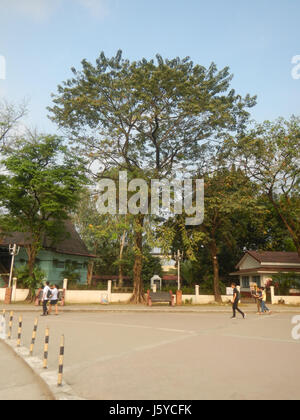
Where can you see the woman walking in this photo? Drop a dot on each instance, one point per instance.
(54, 299)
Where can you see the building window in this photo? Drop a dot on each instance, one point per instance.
(246, 282)
(257, 280)
(58, 264)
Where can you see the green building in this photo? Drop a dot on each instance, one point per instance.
(52, 259)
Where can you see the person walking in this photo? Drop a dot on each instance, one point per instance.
(254, 293)
(235, 302)
(263, 301)
(54, 299)
(46, 296)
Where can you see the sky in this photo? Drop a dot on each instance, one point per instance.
(40, 40)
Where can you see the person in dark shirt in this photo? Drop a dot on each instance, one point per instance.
(235, 302)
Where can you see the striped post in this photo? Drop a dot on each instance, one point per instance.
(11, 318)
(61, 361)
(19, 331)
(33, 336)
(46, 346)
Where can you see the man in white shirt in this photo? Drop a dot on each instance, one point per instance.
(46, 296)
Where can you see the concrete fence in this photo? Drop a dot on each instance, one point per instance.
(107, 296)
(288, 300)
(18, 295)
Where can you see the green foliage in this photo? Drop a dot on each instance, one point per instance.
(188, 273)
(31, 282)
(98, 286)
(270, 154)
(10, 116)
(71, 273)
(284, 282)
(150, 116)
(39, 190)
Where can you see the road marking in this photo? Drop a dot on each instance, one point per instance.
(86, 364)
(275, 340)
(145, 327)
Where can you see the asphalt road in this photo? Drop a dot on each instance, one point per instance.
(141, 356)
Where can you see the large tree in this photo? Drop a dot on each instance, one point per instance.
(270, 154)
(148, 118)
(40, 189)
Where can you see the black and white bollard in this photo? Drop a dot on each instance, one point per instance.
(20, 331)
(61, 361)
(33, 336)
(10, 325)
(46, 347)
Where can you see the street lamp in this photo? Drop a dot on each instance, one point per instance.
(13, 250)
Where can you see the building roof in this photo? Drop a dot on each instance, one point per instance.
(71, 245)
(270, 262)
(275, 257)
(266, 270)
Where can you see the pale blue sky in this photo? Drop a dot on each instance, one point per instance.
(42, 39)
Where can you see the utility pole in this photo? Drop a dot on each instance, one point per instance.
(179, 258)
(13, 250)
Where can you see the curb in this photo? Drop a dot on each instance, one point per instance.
(156, 310)
(48, 378)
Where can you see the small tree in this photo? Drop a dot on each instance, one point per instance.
(39, 191)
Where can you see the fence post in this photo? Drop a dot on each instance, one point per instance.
(109, 287)
(65, 288)
(197, 293)
(272, 288)
(8, 294)
(14, 289)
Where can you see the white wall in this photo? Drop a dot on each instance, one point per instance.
(2, 294)
(203, 299)
(85, 296)
(20, 295)
(289, 300)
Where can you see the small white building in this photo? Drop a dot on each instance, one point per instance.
(259, 267)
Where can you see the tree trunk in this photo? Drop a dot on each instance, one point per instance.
(32, 254)
(138, 288)
(214, 255)
(122, 245)
(90, 272)
(292, 230)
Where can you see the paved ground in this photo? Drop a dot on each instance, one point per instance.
(17, 382)
(165, 355)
